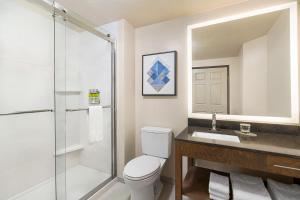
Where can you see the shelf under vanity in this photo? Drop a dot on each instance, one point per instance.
(197, 188)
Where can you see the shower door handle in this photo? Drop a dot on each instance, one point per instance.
(26, 112)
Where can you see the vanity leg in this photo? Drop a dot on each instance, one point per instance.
(178, 173)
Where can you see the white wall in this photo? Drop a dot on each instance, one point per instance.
(279, 96)
(172, 35)
(254, 77)
(234, 73)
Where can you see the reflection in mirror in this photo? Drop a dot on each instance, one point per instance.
(242, 67)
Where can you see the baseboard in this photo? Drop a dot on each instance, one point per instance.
(119, 179)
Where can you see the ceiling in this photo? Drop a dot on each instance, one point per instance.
(141, 12)
(226, 39)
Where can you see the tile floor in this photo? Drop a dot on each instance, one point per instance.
(120, 191)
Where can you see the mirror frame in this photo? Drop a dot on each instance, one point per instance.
(294, 119)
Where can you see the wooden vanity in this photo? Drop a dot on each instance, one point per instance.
(276, 153)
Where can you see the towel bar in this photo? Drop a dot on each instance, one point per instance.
(82, 109)
(44, 110)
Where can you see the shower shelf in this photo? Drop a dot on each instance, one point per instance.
(77, 147)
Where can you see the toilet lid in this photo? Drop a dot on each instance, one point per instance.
(141, 167)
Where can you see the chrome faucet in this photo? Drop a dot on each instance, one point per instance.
(214, 122)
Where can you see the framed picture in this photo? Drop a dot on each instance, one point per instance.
(159, 74)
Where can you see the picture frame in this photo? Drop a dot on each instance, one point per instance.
(159, 74)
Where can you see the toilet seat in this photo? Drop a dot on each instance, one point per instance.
(141, 168)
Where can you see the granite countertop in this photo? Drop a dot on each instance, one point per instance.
(283, 144)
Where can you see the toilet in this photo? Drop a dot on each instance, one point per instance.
(142, 174)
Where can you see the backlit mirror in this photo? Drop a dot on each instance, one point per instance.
(245, 66)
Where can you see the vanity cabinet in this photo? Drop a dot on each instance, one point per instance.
(222, 154)
(283, 165)
(277, 156)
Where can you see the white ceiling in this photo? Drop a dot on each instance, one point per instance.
(140, 12)
(226, 39)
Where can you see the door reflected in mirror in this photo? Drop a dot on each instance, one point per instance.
(242, 67)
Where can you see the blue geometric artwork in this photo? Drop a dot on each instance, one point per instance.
(158, 75)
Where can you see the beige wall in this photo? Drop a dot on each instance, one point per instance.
(125, 95)
(168, 112)
(171, 35)
(129, 91)
(123, 32)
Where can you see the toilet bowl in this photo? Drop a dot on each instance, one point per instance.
(142, 174)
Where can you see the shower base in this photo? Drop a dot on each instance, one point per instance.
(80, 181)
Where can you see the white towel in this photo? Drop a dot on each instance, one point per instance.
(214, 197)
(219, 185)
(95, 124)
(246, 187)
(219, 195)
(281, 191)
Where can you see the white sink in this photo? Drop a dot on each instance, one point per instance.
(215, 136)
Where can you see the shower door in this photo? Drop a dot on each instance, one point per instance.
(27, 139)
(84, 109)
(56, 138)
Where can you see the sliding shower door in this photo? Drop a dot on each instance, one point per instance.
(27, 138)
(56, 104)
(84, 110)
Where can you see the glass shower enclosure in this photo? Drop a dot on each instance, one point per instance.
(57, 138)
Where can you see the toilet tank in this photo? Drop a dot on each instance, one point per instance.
(156, 141)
